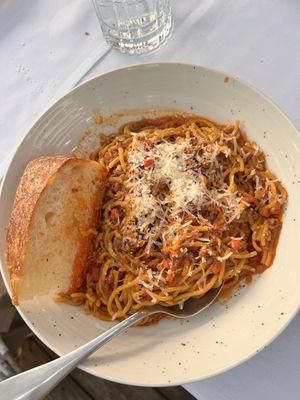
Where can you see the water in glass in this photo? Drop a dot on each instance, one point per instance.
(134, 26)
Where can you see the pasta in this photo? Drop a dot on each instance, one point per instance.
(189, 205)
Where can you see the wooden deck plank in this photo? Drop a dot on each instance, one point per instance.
(175, 393)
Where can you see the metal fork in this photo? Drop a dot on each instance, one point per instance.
(37, 382)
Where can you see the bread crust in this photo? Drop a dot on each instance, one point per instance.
(38, 174)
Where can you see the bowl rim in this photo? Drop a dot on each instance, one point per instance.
(53, 104)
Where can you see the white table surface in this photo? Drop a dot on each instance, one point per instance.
(44, 51)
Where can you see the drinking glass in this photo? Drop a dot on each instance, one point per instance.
(134, 26)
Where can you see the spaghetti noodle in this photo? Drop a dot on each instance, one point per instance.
(189, 204)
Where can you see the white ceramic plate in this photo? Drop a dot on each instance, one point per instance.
(172, 352)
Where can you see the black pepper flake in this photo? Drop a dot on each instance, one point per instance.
(262, 323)
(59, 334)
(179, 363)
(191, 107)
(217, 342)
(183, 344)
(213, 325)
(71, 317)
(95, 365)
(194, 68)
(282, 313)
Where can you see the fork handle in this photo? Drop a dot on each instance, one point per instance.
(37, 382)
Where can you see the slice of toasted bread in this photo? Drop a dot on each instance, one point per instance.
(53, 225)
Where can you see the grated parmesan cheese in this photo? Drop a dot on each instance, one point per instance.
(173, 185)
(225, 257)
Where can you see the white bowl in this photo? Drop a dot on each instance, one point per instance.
(172, 352)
